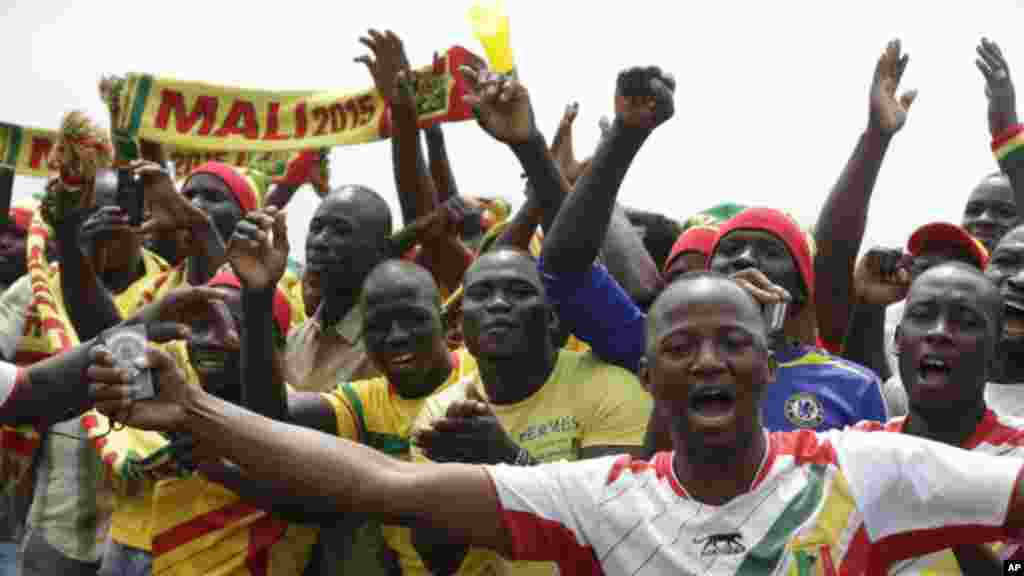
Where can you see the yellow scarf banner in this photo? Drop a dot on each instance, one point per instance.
(200, 116)
(27, 149)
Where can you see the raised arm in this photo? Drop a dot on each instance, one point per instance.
(643, 101)
(90, 307)
(840, 227)
(258, 253)
(343, 477)
(170, 210)
(308, 167)
(881, 279)
(1003, 124)
(440, 165)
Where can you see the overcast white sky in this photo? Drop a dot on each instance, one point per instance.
(771, 95)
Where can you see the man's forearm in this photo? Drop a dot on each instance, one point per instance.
(51, 390)
(280, 195)
(261, 392)
(266, 495)
(839, 233)
(212, 253)
(581, 226)
(865, 339)
(547, 183)
(628, 260)
(90, 307)
(440, 166)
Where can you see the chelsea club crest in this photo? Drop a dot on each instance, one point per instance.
(804, 410)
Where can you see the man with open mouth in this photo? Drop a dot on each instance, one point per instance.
(732, 498)
(1005, 393)
(948, 349)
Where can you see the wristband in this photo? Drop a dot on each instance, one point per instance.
(1009, 143)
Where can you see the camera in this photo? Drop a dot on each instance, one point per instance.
(127, 344)
(123, 188)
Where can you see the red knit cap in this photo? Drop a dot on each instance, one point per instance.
(239, 186)
(698, 239)
(781, 226)
(282, 311)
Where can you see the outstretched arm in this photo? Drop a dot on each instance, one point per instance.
(840, 226)
(343, 477)
(643, 100)
(1003, 124)
(440, 165)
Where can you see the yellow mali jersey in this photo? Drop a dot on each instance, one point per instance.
(584, 403)
(370, 412)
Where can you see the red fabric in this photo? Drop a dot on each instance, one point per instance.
(200, 526)
(282, 311)
(782, 226)
(1007, 136)
(696, 239)
(21, 217)
(559, 542)
(243, 192)
(946, 233)
(831, 347)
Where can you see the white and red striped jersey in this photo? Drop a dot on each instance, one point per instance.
(996, 435)
(618, 516)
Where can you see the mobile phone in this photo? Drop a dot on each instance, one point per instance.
(123, 189)
(127, 344)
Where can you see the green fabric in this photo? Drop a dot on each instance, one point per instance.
(764, 558)
(714, 215)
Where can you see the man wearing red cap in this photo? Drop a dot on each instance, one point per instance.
(882, 279)
(690, 252)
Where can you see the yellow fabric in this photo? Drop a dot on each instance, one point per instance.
(490, 26)
(131, 522)
(228, 549)
(291, 286)
(584, 403)
(200, 116)
(388, 415)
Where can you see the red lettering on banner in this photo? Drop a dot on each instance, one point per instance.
(272, 133)
(367, 106)
(300, 120)
(40, 152)
(337, 118)
(350, 106)
(321, 115)
(244, 111)
(173, 102)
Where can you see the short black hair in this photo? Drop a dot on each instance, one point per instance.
(693, 276)
(993, 298)
(659, 233)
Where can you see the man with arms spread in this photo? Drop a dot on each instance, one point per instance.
(727, 500)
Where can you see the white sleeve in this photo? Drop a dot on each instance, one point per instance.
(541, 507)
(8, 378)
(14, 304)
(904, 484)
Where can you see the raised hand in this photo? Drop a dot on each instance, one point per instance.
(387, 61)
(562, 145)
(184, 306)
(1002, 99)
(882, 277)
(501, 105)
(760, 287)
(168, 209)
(644, 98)
(887, 113)
(258, 249)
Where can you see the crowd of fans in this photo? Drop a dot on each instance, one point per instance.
(573, 388)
